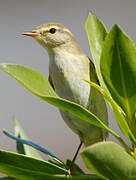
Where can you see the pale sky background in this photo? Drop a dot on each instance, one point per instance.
(41, 121)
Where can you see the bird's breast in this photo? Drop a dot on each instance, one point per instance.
(68, 74)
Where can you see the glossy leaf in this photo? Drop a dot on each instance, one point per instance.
(118, 68)
(36, 146)
(33, 80)
(23, 167)
(22, 148)
(96, 33)
(109, 160)
(119, 114)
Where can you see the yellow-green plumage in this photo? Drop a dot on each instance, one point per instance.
(68, 69)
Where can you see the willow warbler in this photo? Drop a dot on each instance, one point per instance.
(68, 68)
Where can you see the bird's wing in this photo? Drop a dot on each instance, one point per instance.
(100, 106)
(93, 75)
(50, 81)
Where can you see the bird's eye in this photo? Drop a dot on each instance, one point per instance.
(52, 30)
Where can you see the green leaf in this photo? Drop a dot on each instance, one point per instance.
(119, 114)
(109, 160)
(23, 167)
(96, 33)
(118, 68)
(22, 148)
(29, 77)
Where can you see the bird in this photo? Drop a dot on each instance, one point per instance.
(68, 68)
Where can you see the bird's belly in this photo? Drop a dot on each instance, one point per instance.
(73, 87)
(68, 81)
(76, 90)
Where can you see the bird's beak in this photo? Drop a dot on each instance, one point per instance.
(32, 34)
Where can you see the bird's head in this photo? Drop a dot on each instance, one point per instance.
(51, 35)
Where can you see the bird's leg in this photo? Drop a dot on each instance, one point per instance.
(73, 161)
